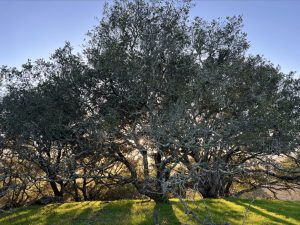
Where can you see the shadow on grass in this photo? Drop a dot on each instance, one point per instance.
(212, 211)
(118, 212)
(72, 213)
(114, 213)
(286, 209)
(163, 214)
(149, 213)
(27, 214)
(260, 212)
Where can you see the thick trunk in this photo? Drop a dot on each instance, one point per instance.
(218, 189)
(55, 190)
(153, 191)
(153, 194)
(210, 194)
(162, 175)
(160, 198)
(209, 190)
(211, 185)
(212, 181)
(52, 177)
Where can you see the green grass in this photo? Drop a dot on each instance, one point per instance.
(261, 212)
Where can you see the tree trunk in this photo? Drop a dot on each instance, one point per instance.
(143, 187)
(215, 189)
(211, 185)
(76, 194)
(227, 188)
(161, 176)
(158, 197)
(55, 190)
(209, 194)
(161, 198)
(84, 188)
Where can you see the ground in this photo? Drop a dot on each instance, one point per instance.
(125, 212)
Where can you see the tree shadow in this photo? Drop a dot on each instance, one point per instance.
(162, 214)
(90, 213)
(115, 212)
(28, 214)
(118, 212)
(261, 213)
(287, 209)
(211, 211)
(149, 213)
(72, 213)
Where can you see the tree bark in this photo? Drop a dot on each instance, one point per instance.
(143, 187)
(55, 190)
(76, 194)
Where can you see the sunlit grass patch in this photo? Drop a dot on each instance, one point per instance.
(125, 212)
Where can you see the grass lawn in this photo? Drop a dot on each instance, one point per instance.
(127, 212)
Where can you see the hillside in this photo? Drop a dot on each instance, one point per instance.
(260, 212)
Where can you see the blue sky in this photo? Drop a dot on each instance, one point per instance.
(35, 28)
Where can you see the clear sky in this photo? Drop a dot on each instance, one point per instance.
(35, 28)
